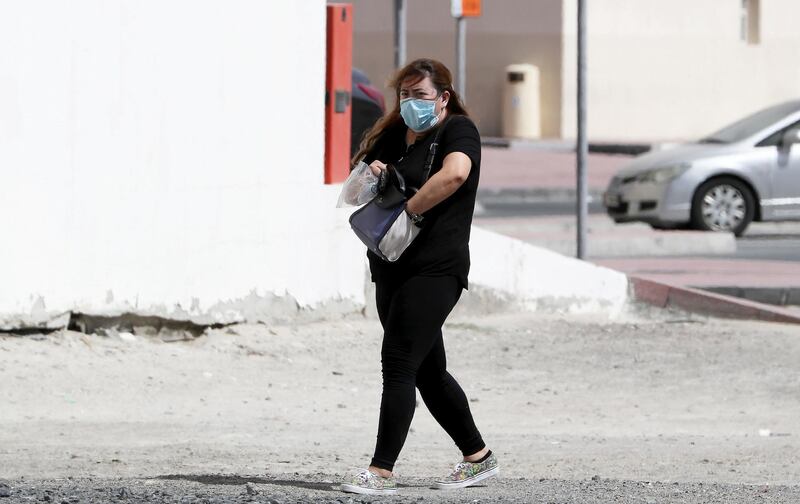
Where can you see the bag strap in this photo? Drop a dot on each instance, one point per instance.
(432, 151)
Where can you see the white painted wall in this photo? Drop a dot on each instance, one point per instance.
(167, 157)
(531, 278)
(677, 70)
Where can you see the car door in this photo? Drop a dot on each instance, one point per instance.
(784, 202)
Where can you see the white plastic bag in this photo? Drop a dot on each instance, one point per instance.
(398, 237)
(360, 187)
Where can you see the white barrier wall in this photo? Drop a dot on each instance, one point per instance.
(166, 157)
(529, 278)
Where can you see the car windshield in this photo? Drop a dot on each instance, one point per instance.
(752, 124)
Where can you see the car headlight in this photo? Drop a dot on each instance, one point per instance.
(663, 174)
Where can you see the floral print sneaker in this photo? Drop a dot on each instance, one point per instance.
(366, 482)
(468, 473)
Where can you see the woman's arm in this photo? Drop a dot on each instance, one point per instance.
(454, 172)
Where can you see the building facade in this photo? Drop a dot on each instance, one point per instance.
(657, 70)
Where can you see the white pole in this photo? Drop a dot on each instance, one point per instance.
(582, 148)
(461, 56)
(399, 33)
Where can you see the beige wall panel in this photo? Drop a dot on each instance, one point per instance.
(510, 31)
(678, 70)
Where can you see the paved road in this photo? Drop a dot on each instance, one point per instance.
(496, 209)
(773, 248)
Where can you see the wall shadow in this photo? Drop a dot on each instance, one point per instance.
(223, 479)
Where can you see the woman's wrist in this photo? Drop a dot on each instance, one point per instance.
(411, 207)
(415, 217)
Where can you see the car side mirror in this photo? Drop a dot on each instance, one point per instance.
(790, 137)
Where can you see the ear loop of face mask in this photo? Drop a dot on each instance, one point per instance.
(444, 106)
(434, 105)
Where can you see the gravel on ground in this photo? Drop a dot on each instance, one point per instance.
(651, 408)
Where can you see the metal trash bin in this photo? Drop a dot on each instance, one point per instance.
(521, 110)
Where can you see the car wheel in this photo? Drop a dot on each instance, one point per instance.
(723, 204)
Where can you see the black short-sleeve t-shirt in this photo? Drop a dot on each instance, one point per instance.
(442, 246)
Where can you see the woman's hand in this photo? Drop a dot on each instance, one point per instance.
(376, 167)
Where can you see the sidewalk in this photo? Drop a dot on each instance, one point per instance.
(668, 281)
(550, 175)
(772, 283)
(704, 272)
(608, 239)
(511, 175)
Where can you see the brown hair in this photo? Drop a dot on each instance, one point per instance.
(442, 80)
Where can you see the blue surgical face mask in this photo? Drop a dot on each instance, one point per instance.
(419, 114)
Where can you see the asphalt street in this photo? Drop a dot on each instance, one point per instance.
(534, 208)
(770, 247)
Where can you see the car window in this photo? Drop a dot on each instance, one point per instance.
(752, 124)
(774, 139)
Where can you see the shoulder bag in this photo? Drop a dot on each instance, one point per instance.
(383, 224)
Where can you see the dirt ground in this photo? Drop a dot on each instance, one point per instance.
(568, 403)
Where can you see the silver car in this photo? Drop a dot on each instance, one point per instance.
(747, 171)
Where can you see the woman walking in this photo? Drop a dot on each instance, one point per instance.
(415, 294)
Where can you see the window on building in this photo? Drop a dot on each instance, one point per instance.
(750, 27)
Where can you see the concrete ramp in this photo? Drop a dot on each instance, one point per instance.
(510, 273)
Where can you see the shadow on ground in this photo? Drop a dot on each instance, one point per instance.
(220, 479)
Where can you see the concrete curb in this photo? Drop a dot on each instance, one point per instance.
(630, 149)
(776, 296)
(515, 196)
(664, 295)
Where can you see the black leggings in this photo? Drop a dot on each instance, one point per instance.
(412, 312)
